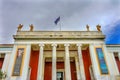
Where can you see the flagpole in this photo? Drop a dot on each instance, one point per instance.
(60, 25)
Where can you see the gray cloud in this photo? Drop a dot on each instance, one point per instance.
(75, 14)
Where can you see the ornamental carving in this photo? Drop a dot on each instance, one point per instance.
(98, 27)
(87, 26)
(31, 27)
(20, 27)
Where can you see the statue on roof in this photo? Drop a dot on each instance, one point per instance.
(20, 27)
(31, 27)
(87, 26)
(98, 27)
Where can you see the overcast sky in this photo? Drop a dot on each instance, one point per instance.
(75, 15)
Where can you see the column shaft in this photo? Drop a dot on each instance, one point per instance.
(67, 63)
(40, 64)
(54, 62)
(77, 68)
(82, 72)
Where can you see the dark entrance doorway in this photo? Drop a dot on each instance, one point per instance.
(60, 76)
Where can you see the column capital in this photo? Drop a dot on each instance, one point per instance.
(41, 45)
(66, 44)
(54, 44)
(79, 44)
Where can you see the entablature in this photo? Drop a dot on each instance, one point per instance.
(42, 35)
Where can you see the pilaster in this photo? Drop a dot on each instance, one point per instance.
(94, 61)
(6, 62)
(26, 62)
(10, 66)
(107, 58)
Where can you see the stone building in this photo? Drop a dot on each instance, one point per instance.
(60, 55)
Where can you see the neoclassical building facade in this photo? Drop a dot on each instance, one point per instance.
(60, 55)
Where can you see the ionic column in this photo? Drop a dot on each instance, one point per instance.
(67, 63)
(40, 63)
(81, 72)
(54, 62)
(77, 68)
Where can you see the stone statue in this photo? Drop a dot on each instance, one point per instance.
(87, 26)
(20, 27)
(31, 27)
(98, 27)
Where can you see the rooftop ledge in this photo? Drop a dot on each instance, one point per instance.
(58, 34)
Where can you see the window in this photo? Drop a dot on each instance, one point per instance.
(18, 62)
(101, 60)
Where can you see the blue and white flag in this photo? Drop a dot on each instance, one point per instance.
(57, 20)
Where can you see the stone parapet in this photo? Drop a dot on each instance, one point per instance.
(59, 35)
